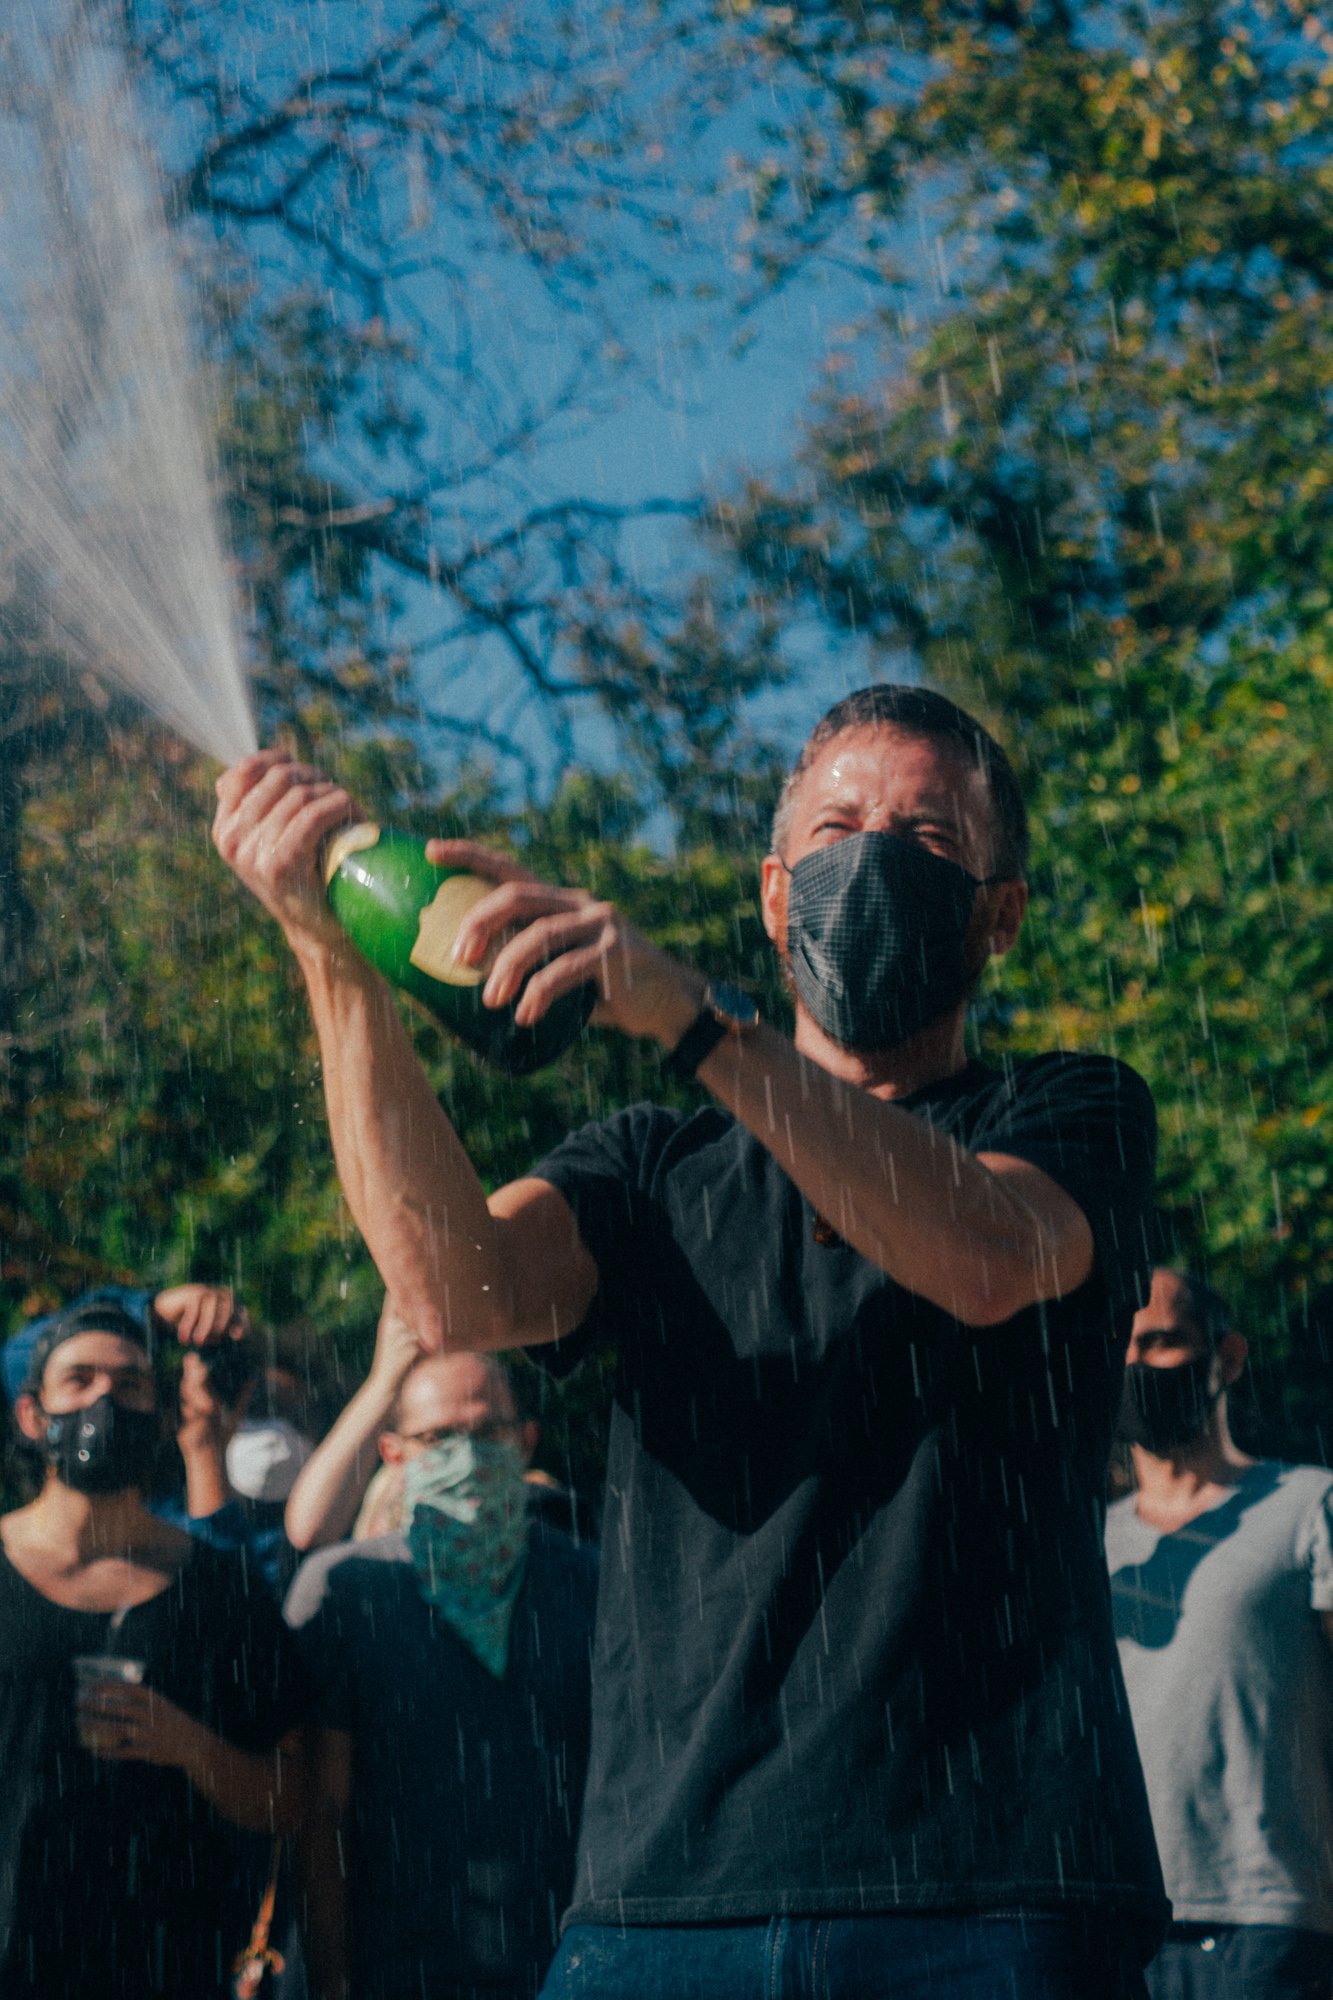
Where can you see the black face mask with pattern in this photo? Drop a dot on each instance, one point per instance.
(876, 937)
(102, 1448)
(1165, 1408)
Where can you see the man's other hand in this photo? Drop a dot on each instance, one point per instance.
(398, 1348)
(549, 941)
(202, 1315)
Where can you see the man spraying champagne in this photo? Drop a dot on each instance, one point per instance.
(858, 1723)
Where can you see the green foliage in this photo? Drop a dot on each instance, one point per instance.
(1085, 485)
(173, 1118)
(1116, 405)
(160, 1110)
(321, 614)
(1184, 875)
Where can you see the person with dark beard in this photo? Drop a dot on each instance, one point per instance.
(149, 1700)
(1222, 1585)
(858, 1725)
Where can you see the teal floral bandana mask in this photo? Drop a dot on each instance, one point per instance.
(467, 1511)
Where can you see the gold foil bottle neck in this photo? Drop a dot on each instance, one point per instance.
(349, 840)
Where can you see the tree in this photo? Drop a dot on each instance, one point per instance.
(175, 1123)
(1181, 920)
(371, 209)
(1114, 406)
(351, 205)
(406, 205)
(1083, 483)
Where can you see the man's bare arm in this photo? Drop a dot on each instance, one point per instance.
(263, 1791)
(982, 1235)
(461, 1275)
(410, 1186)
(328, 1490)
(465, 1273)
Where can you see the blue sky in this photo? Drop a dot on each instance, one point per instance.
(698, 398)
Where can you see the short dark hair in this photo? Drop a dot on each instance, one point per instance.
(921, 712)
(1207, 1311)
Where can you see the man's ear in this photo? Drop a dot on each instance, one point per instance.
(773, 900)
(30, 1419)
(529, 1432)
(1006, 917)
(1232, 1352)
(391, 1447)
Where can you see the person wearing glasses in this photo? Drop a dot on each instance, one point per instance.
(451, 1664)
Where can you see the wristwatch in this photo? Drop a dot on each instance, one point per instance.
(726, 1011)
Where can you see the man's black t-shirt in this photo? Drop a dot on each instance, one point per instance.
(119, 1879)
(854, 1647)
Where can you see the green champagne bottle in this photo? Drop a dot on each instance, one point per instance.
(403, 913)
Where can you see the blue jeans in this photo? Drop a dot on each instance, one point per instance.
(1009, 1956)
(1242, 1962)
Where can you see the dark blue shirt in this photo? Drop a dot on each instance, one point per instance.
(250, 1529)
(466, 1789)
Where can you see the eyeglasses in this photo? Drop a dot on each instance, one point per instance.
(490, 1433)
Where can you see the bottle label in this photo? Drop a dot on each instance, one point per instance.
(349, 840)
(433, 951)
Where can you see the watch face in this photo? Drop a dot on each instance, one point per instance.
(732, 1004)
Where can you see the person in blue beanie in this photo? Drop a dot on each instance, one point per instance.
(218, 1374)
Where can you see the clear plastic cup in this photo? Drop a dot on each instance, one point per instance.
(89, 1670)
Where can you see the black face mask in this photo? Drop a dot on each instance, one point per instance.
(876, 936)
(1165, 1408)
(103, 1448)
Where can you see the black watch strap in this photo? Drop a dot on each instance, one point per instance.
(726, 1011)
(702, 1036)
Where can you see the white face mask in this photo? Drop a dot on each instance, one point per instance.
(264, 1458)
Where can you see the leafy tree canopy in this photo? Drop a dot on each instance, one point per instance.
(1116, 403)
(173, 1121)
(1083, 482)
